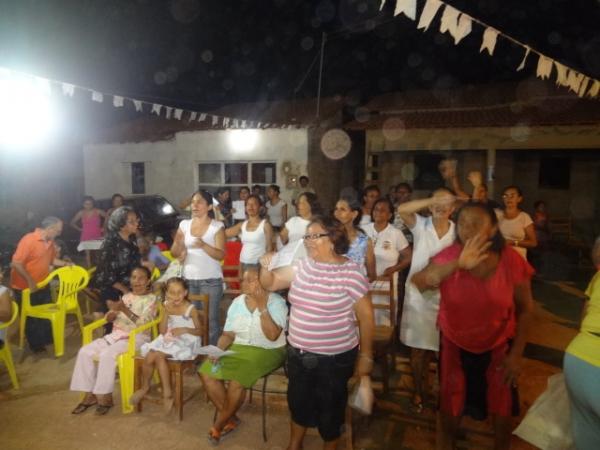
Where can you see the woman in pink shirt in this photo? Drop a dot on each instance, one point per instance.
(485, 311)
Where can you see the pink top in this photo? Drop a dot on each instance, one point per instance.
(478, 314)
(90, 227)
(322, 296)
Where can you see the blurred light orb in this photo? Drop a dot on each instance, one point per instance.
(160, 78)
(242, 140)
(393, 129)
(206, 56)
(307, 43)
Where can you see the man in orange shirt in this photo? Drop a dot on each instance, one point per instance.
(31, 264)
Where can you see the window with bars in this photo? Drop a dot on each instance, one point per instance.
(235, 175)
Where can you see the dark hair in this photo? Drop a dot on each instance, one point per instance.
(538, 203)
(407, 186)
(88, 198)
(354, 205)
(257, 186)
(112, 199)
(498, 241)
(442, 188)
(303, 177)
(223, 189)
(313, 201)
(255, 197)
(275, 188)
(245, 188)
(512, 186)
(179, 280)
(143, 269)
(388, 202)
(208, 198)
(335, 230)
(371, 187)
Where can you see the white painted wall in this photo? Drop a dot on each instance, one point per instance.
(172, 166)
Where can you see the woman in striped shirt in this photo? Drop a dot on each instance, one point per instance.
(328, 294)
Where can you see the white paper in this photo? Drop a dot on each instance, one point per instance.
(212, 351)
(362, 398)
(240, 210)
(168, 111)
(156, 109)
(215, 120)
(178, 113)
(95, 244)
(193, 115)
(288, 254)
(201, 117)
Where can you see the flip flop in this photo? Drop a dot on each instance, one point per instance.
(82, 407)
(231, 425)
(102, 409)
(213, 436)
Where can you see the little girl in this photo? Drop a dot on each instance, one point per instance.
(179, 339)
(134, 309)
(91, 224)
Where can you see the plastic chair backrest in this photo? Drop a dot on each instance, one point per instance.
(167, 254)
(231, 265)
(13, 317)
(72, 279)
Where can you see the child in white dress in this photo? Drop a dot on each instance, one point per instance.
(179, 339)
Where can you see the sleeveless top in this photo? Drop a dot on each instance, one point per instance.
(296, 227)
(253, 243)
(90, 228)
(198, 265)
(275, 214)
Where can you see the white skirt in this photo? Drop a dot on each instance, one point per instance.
(419, 319)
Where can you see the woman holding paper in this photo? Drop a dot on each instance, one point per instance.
(331, 319)
(255, 233)
(253, 332)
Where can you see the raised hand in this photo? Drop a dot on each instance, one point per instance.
(474, 252)
(475, 178)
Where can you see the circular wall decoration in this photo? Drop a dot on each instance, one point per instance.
(336, 143)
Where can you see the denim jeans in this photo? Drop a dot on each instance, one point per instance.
(214, 288)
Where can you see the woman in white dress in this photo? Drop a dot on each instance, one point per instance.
(307, 206)
(516, 225)
(370, 195)
(418, 328)
(392, 254)
(255, 233)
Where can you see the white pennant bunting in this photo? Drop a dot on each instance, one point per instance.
(561, 74)
(243, 124)
(449, 20)
(235, 123)
(464, 28)
(544, 67)
(156, 109)
(490, 36)
(178, 113)
(68, 89)
(168, 112)
(138, 105)
(192, 116)
(43, 85)
(202, 117)
(429, 12)
(408, 7)
(117, 101)
(258, 125)
(381, 5)
(215, 120)
(522, 65)
(595, 89)
(574, 80)
(583, 87)
(226, 122)
(97, 96)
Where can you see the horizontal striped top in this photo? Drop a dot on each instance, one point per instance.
(322, 297)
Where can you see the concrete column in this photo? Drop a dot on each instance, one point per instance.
(490, 171)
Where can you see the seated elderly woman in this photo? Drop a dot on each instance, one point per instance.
(254, 332)
(132, 310)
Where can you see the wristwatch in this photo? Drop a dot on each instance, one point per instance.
(516, 243)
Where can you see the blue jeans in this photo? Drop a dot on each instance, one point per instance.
(214, 288)
(583, 384)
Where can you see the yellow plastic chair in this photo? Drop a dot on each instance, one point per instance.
(125, 361)
(167, 254)
(5, 354)
(155, 274)
(72, 280)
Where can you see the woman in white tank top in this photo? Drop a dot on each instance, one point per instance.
(255, 233)
(276, 208)
(200, 244)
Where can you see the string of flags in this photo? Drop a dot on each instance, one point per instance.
(118, 101)
(459, 24)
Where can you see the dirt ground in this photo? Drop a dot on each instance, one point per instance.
(37, 416)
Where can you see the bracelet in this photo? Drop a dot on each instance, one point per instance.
(365, 356)
(266, 310)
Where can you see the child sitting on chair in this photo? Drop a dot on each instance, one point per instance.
(179, 339)
(134, 309)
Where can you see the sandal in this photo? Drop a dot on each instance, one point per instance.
(231, 425)
(214, 436)
(102, 409)
(137, 397)
(83, 407)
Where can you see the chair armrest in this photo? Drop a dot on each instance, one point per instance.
(133, 333)
(13, 317)
(89, 329)
(26, 293)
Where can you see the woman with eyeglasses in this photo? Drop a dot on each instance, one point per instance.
(200, 244)
(516, 225)
(330, 327)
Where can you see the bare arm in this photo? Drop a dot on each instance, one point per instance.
(178, 247)
(274, 280)
(404, 259)
(5, 307)
(284, 216)
(268, 326)
(284, 235)
(268, 237)
(363, 309)
(226, 340)
(218, 251)
(20, 268)
(530, 240)
(186, 202)
(370, 261)
(196, 331)
(408, 211)
(76, 218)
(162, 326)
(234, 230)
(456, 187)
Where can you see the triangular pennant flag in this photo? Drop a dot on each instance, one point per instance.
(97, 96)
(168, 112)
(574, 80)
(156, 109)
(408, 7)
(544, 67)
(561, 74)
(522, 65)
(381, 5)
(449, 20)
(178, 113)
(215, 120)
(138, 105)
(463, 29)
(117, 101)
(243, 124)
(594, 90)
(490, 36)
(583, 87)
(192, 116)
(68, 89)
(235, 123)
(226, 122)
(202, 117)
(258, 125)
(429, 12)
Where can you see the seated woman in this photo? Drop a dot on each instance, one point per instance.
(253, 331)
(134, 309)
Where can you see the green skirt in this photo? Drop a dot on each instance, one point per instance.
(246, 365)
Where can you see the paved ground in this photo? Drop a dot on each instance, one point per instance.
(37, 416)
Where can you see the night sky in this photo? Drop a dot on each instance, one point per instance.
(205, 54)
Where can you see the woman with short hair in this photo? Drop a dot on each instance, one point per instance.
(307, 206)
(515, 224)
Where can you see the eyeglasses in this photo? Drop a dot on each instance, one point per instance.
(510, 195)
(314, 236)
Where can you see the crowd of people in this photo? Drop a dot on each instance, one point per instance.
(466, 300)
